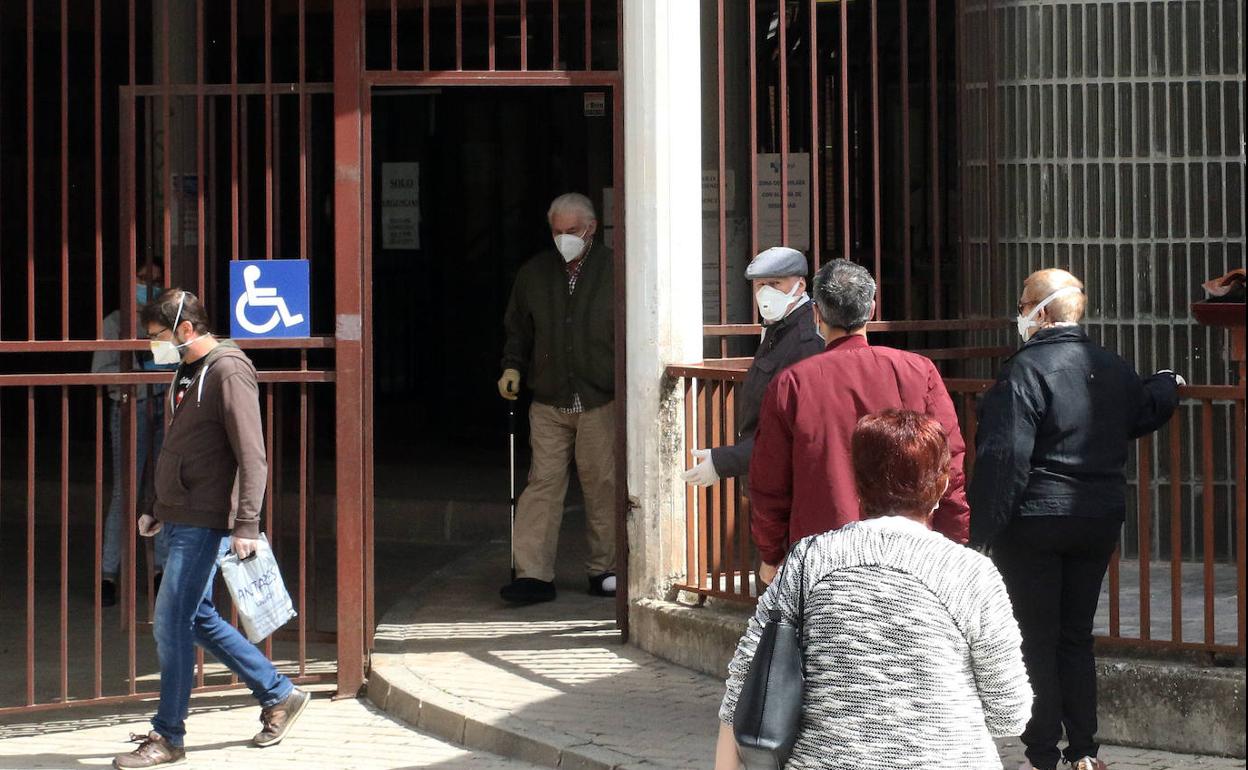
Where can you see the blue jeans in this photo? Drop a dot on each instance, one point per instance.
(185, 617)
(145, 457)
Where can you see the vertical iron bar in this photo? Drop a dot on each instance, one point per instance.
(64, 170)
(589, 35)
(1207, 495)
(459, 35)
(268, 483)
(1144, 521)
(30, 169)
(1176, 531)
(1115, 609)
(524, 35)
(303, 523)
(303, 137)
(166, 145)
(845, 129)
(691, 495)
(877, 232)
(97, 640)
(816, 178)
(935, 143)
(268, 130)
(64, 541)
(234, 103)
(97, 139)
(493, 55)
(783, 103)
(200, 183)
(723, 172)
(907, 267)
(394, 35)
(244, 174)
(1241, 521)
(554, 34)
(425, 32)
(30, 544)
(753, 24)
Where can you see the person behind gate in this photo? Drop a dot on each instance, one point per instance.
(213, 449)
(149, 409)
(560, 339)
(1049, 498)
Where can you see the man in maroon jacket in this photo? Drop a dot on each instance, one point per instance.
(801, 477)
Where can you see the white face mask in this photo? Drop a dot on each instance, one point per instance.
(164, 352)
(1026, 322)
(773, 303)
(570, 246)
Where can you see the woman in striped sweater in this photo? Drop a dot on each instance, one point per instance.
(911, 650)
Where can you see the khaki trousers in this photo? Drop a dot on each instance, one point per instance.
(554, 436)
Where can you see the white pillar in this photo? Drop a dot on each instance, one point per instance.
(663, 247)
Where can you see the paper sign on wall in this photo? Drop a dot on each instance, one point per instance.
(400, 205)
(769, 230)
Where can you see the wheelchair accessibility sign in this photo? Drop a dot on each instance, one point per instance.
(269, 298)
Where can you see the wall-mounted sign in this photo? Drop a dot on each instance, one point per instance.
(769, 230)
(400, 205)
(595, 104)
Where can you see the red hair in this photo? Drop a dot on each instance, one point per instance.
(901, 463)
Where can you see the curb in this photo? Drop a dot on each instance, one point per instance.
(404, 695)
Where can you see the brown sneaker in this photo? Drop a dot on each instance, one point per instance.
(1088, 763)
(278, 719)
(153, 751)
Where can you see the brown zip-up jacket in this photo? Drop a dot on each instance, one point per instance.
(213, 437)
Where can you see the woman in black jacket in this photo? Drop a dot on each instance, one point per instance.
(1048, 495)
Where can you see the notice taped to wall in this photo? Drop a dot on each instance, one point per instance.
(769, 224)
(400, 205)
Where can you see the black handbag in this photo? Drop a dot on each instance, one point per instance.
(769, 708)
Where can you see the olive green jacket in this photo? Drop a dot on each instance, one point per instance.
(564, 344)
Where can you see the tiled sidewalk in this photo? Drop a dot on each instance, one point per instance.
(552, 684)
(331, 735)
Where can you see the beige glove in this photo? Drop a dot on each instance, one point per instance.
(509, 384)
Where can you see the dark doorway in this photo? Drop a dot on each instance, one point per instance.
(478, 167)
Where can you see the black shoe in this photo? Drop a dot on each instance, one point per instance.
(528, 591)
(108, 593)
(599, 586)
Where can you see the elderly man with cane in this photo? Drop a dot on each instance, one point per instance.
(779, 278)
(560, 328)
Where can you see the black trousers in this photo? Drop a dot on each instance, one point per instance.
(1053, 567)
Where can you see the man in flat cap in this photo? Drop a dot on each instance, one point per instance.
(779, 278)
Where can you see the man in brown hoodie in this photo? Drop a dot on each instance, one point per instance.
(213, 436)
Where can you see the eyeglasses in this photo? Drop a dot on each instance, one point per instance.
(1023, 305)
(156, 336)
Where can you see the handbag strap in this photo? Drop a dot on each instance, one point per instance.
(801, 587)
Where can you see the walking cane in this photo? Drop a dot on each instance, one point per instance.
(511, 445)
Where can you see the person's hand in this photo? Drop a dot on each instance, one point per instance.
(244, 546)
(149, 525)
(1178, 378)
(509, 384)
(703, 474)
(767, 573)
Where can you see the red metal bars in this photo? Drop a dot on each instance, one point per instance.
(904, 76)
(816, 212)
(64, 170)
(30, 170)
(934, 122)
(718, 542)
(782, 15)
(845, 210)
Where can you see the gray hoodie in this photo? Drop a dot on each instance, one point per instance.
(211, 438)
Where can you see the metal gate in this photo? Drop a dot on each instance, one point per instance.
(177, 136)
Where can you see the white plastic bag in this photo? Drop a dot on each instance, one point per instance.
(258, 592)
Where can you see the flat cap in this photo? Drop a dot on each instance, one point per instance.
(777, 262)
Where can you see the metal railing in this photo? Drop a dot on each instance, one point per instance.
(1185, 521)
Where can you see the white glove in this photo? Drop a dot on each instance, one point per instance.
(1177, 377)
(703, 474)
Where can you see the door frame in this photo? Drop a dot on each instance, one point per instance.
(446, 80)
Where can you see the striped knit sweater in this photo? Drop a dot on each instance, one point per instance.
(912, 652)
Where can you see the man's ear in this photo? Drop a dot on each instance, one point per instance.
(871, 312)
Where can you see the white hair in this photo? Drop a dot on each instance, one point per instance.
(572, 202)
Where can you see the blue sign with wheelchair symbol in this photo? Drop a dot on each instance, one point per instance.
(269, 299)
